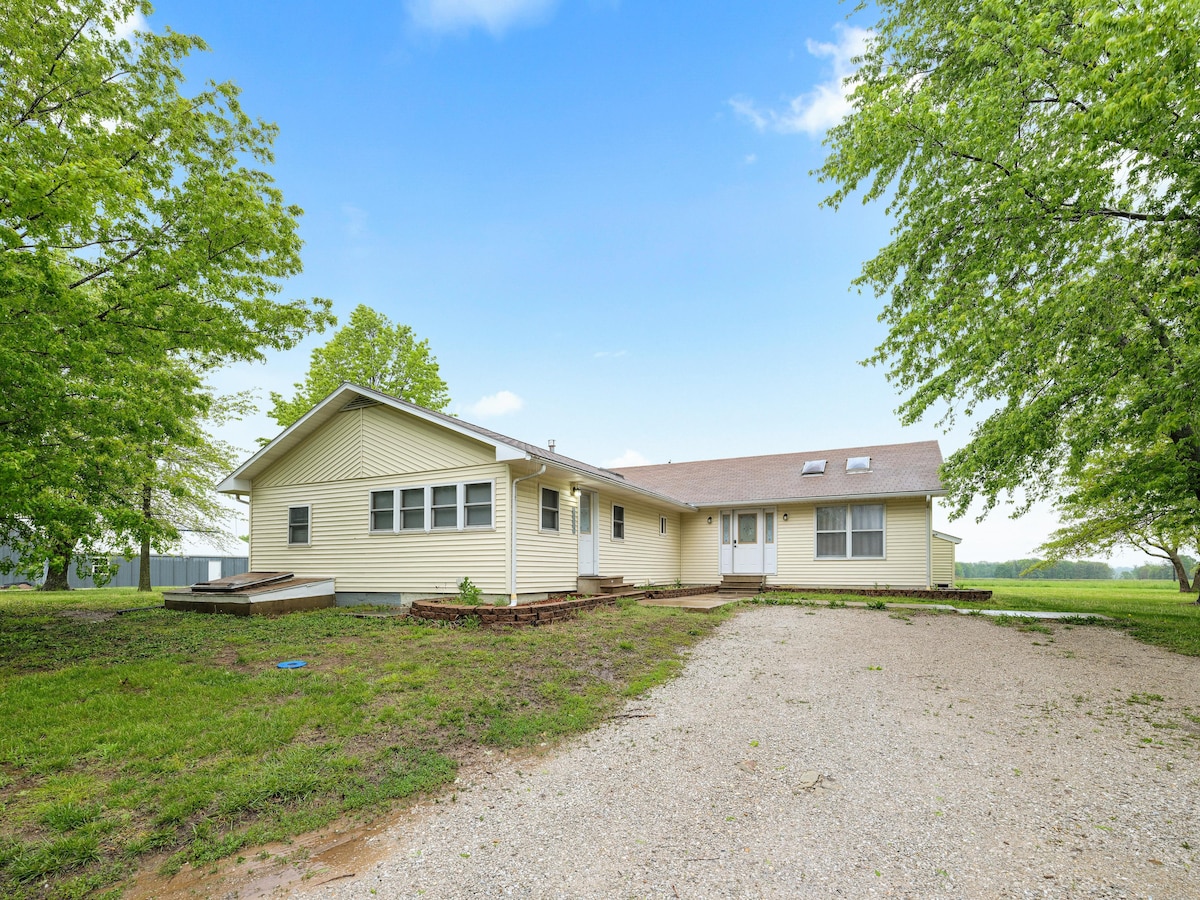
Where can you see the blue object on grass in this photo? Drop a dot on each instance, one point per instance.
(292, 664)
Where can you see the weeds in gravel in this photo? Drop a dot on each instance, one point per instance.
(161, 731)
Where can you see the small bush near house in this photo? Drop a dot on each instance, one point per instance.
(468, 593)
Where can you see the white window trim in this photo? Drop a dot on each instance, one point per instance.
(491, 526)
(395, 511)
(558, 509)
(305, 506)
(849, 532)
(458, 507)
(427, 507)
(612, 521)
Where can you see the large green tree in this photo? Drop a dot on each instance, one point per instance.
(371, 351)
(1041, 163)
(1121, 501)
(138, 229)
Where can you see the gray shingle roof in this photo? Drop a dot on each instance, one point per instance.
(895, 469)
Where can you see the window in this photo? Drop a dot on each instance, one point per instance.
(412, 509)
(298, 524)
(814, 467)
(724, 528)
(618, 523)
(478, 504)
(549, 510)
(858, 529)
(831, 531)
(769, 527)
(383, 510)
(585, 513)
(866, 531)
(662, 524)
(444, 508)
(858, 464)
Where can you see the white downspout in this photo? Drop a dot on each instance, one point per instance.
(512, 534)
(929, 542)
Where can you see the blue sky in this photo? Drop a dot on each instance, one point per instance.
(599, 213)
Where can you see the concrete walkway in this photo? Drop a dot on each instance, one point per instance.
(709, 602)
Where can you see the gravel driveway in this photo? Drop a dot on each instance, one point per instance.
(844, 753)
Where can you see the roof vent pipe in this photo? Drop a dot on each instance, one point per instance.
(550, 445)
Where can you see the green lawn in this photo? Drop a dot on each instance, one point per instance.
(151, 731)
(1152, 611)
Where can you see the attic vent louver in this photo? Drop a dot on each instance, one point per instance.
(813, 467)
(858, 464)
(359, 403)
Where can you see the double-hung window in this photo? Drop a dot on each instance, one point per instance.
(854, 532)
(299, 525)
(549, 510)
(412, 509)
(444, 505)
(383, 510)
(618, 522)
(477, 504)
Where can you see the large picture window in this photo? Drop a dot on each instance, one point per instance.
(299, 525)
(549, 509)
(854, 532)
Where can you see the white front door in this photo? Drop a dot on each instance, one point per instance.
(589, 555)
(748, 542)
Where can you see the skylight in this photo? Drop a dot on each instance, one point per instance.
(813, 467)
(858, 464)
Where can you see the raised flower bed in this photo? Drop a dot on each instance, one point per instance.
(540, 612)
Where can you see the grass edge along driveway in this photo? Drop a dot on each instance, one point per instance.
(156, 731)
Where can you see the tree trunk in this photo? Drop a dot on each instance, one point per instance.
(144, 557)
(1181, 573)
(57, 569)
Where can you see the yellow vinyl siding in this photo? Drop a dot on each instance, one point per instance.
(905, 547)
(342, 546)
(700, 559)
(943, 561)
(547, 561)
(645, 555)
(396, 442)
(372, 442)
(333, 453)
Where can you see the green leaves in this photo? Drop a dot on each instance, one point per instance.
(1042, 168)
(141, 244)
(374, 353)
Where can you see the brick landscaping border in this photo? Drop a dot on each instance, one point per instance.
(526, 614)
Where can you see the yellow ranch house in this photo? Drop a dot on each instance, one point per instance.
(396, 503)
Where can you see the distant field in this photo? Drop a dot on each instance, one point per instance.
(1153, 611)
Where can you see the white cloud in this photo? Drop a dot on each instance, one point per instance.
(500, 403)
(815, 111)
(126, 28)
(628, 458)
(609, 354)
(495, 16)
(750, 159)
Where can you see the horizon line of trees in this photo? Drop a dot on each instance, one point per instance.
(1063, 570)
